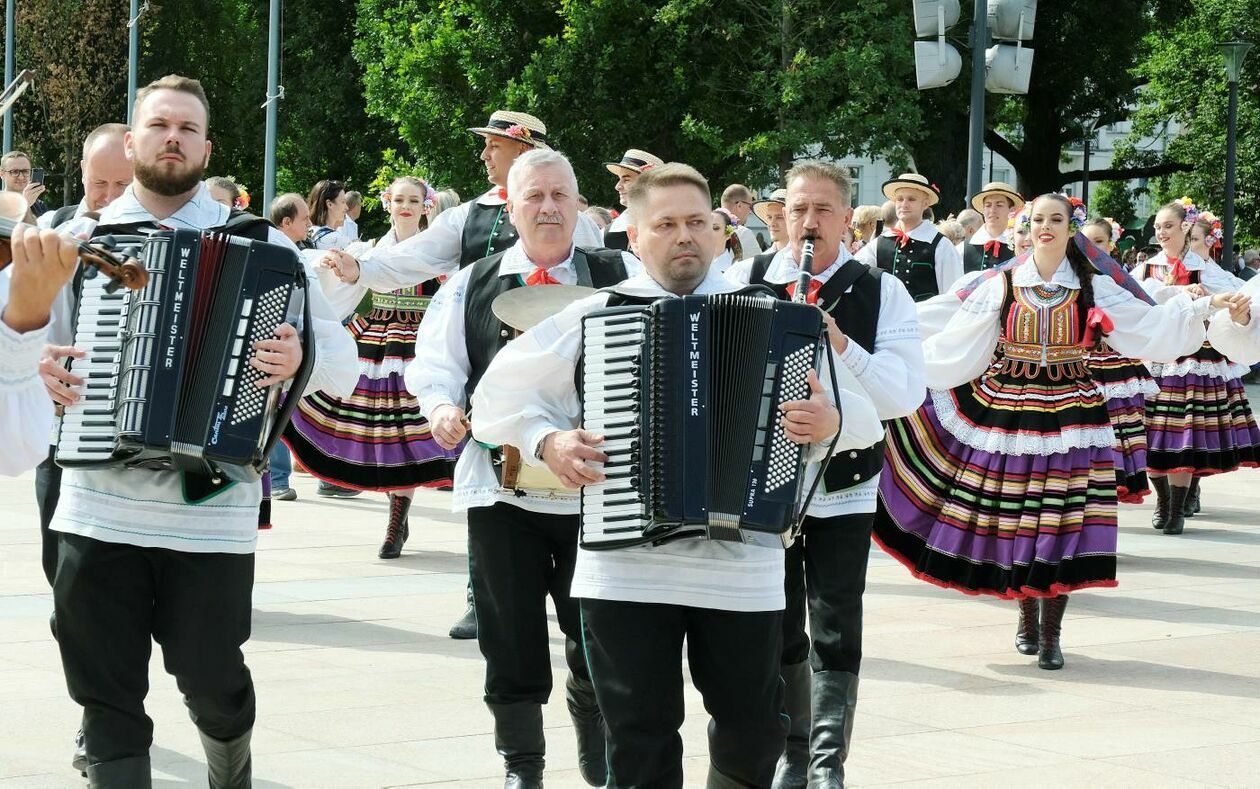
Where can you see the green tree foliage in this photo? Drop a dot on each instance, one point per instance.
(1185, 82)
(737, 88)
(1113, 199)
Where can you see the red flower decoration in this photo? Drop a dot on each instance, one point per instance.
(519, 131)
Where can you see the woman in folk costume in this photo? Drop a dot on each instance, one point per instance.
(1126, 384)
(1205, 237)
(1200, 423)
(1003, 482)
(376, 439)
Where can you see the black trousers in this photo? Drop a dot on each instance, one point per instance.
(113, 600)
(635, 655)
(47, 494)
(826, 569)
(517, 559)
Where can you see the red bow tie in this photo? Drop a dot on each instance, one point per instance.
(502, 193)
(811, 297)
(541, 276)
(993, 248)
(900, 235)
(1178, 274)
(1095, 321)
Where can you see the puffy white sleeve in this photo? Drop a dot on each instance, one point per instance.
(634, 266)
(587, 234)
(26, 412)
(529, 391)
(740, 272)
(1164, 332)
(336, 369)
(859, 419)
(949, 266)
(1239, 343)
(1217, 280)
(439, 372)
(432, 252)
(343, 297)
(868, 254)
(893, 374)
(963, 348)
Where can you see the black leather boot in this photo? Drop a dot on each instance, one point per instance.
(588, 722)
(720, 780)
(518, 737)
(1192, 499)
(79, 762)
(1026, 639)
(793, 768)
(834, 695)
(1160, 517)
(466, 627)
(1051, 655)
(228, 762)
(396, 532)
(130, 773)
(1176, 509)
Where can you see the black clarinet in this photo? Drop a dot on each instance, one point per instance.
(807, 264)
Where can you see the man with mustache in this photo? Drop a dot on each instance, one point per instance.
(872, 325)
(521, 542)
(457, 238)
(639, 604)
(148, 555)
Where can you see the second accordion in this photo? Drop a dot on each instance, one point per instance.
(167, 379)
(686, 393)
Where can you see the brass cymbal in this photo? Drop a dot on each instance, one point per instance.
(524, 308)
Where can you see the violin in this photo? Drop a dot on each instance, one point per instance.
(123, 271)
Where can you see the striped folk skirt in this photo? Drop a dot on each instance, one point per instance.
(1126, 384)
(1004, 486)
(1200, 422)
(375, 439)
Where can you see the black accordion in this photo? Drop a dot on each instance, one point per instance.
(167, 379)
(686, 394)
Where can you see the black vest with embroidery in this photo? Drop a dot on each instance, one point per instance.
(852, 298)
(488, 231)
(975, 258)
(485, 334)
(914, 264)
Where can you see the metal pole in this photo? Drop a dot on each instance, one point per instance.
(1231, 154)
(1085, 181)
(133, 55)
(10, 21)
(273, 98)
(975, 138)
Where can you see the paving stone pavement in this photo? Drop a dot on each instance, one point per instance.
(359, 686)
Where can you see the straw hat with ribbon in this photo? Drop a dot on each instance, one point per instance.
(1001, 189)
(516, 126)
(912, 181)
(634, 161)
(778, 197)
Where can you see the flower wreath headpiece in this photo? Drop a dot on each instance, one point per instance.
(1076, 220)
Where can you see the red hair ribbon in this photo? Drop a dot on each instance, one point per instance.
(1095, 321)
(993, 248)
(811, 297)
(541, 276)
(900, 236)
(1178, 274)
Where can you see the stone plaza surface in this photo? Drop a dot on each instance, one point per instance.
(359, 686)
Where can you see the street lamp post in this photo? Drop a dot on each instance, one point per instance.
(1089, 142)
(1235, 53)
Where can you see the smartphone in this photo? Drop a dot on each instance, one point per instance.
(37, 175)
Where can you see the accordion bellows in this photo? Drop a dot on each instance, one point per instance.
(686, 393)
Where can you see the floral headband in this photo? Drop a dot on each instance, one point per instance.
(1116, 230)
(1076, 220)
(1216, 234)
(241, 202)
(1192, 211)
(430, 196)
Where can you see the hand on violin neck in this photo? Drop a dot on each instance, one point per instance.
(43, 263)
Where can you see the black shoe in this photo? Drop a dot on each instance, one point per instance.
(397, 531)
(1192, 499)
(79, 761)
(284, 494)
(337, 491)
(466, 627)
(588, 722)
(228, 762)
(518, 737)
(1027, 641)
(834, 702)
(1160, 518)
(793, 767)
(130, 773)
(1051, 655)
(1176, 510)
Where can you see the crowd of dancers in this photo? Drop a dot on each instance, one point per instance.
(995, 400)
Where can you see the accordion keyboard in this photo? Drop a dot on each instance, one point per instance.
(89, 428)
(612, 375)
